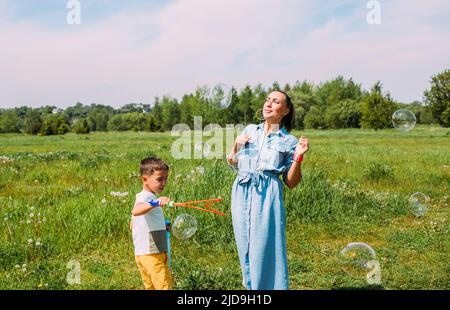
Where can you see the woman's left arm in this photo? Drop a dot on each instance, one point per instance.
(294, 174)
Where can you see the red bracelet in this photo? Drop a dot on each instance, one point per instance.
(299, 159)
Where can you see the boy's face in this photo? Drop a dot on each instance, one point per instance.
(155, 182)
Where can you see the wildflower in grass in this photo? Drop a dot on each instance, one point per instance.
(133, 175)
(17, 266)
(200, 169)
(30, 241)
(28, 222)
(31, 214)
(5, 159)
(119, 194)
(103, 201)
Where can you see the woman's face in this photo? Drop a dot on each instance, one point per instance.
(275, 107)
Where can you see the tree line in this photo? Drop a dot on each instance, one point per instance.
(334, 104)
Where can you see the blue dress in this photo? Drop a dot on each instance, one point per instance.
(258, 210)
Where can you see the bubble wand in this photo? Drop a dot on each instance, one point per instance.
(206, 205)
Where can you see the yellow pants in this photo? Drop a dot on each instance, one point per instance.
(155, 271)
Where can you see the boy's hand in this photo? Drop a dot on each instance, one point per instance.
(163, 201)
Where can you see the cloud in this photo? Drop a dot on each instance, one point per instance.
(136, 54)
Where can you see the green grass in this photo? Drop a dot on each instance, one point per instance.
(355, 189)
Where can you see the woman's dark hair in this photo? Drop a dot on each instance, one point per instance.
(287, 121)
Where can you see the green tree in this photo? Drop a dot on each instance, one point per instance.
(77, 111)
(245, 106)
(344, 114)
(377, 109)
(55, 124)
(157, 111)
(99, 116)
(9, 121)
(259, 97)
(134, 107)
(170, 113)
(33, 121)
(315, 118)
(81, 126)
(339, 89)
(438, 97)
(302, 95)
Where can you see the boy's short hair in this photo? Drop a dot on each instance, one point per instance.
(151, 164)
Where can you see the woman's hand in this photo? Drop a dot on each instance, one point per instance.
(238, 143)
(302, 147)
(241, 141)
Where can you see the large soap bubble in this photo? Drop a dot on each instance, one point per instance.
(403, 120)
(259, 115)
(246, 156)
(184, 226)
(356, 259)
(418, 204)
(221, 94)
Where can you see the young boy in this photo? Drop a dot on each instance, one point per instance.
(149, 228)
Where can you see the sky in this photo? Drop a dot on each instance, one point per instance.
(132, 51)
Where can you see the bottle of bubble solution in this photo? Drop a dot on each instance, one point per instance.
(167, 222)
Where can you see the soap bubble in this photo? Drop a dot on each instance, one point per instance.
(184, 226)
(404, 120)
(355, 259)
(221, 94)
(418, 204)
(246, 155)
(249, 151)
(259, 115)
(203, 148)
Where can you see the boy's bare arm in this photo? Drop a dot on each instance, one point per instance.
(141, 208)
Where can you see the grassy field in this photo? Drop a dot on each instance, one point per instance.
(56, 207)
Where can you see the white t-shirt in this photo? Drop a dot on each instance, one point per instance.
(144, 225)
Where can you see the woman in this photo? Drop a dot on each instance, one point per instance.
(262, 153)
